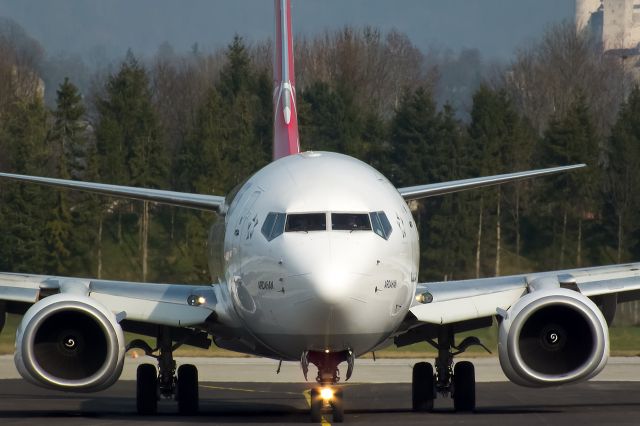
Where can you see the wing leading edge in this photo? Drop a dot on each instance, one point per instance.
(456, 301)
(165, 304)
(180, 199)
(434, 189)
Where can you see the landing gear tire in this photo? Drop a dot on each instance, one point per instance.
(337, 405)
(464, 386)
(187, 390)
(423, 389)
(147, 389)
(316, 406)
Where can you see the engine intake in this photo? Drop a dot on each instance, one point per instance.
(551, 337)
(70, 342)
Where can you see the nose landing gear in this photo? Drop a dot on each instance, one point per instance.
(327, 398)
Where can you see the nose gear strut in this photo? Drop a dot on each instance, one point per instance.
(327, 396)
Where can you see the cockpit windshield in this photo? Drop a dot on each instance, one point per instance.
(305, 222)
(350, 222)
(277, 223)
(273, 225)
(381, 225)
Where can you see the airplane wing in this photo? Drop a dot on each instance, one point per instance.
(89, 316)
(181, 199)
(456, 301)
(163, 304)
(434, 189)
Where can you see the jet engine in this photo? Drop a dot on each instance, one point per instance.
(70, 342)
(553, 336)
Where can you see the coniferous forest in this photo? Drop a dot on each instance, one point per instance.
(202, 122)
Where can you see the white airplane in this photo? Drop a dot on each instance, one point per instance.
(315, 260)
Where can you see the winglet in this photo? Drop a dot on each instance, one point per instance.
(285, 140)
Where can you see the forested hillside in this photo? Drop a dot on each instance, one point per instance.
(202, 122)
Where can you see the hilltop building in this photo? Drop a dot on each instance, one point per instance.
(26, 83)
(615, 22)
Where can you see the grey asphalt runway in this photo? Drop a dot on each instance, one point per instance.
(264, 401)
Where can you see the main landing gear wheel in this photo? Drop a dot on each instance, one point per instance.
(165, 382)
(187, 390)
(337, 405)
(147, 389)
(464, 386)
(422, 387)
(316, 406)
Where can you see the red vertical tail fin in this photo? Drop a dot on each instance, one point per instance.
(285, 139)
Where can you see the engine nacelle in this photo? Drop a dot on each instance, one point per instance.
(551, 337)
(70, 342)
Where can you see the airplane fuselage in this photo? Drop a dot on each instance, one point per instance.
(320, 253)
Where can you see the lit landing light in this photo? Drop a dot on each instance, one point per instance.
(326, 394)
(196, 300)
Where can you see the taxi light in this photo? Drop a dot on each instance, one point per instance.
(326, 394)
(424, 298)
(196, 300)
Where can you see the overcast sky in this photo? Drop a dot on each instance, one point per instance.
(495, 27)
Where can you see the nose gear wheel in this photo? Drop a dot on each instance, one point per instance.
(328, 376)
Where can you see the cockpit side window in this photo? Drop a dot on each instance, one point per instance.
(381, 224)
(273, 225)
(305, 222)
(350, 222)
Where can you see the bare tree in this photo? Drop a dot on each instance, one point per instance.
(20, 60)
(547, 76)
(374, 65)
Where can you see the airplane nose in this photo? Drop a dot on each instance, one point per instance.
(329, 268)
(331, 285)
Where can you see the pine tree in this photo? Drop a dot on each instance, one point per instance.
(69, 131)
(88, 220)
(242, 120)
(414, 138)
(128, 141)
(571, 140)
(413, 129)
(623, 174)
(236, 77)
(448, 248)
(128, 138)
(201, 158)
(319, 108)
(377, 148)
(24, 205)
(499, 137)
(230, 140)
(67, 144)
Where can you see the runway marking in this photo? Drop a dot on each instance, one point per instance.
(246, 390)
(307, 396)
